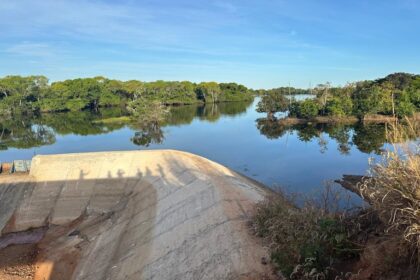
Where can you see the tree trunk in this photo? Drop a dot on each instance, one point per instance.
(393, 105)
(270, 116)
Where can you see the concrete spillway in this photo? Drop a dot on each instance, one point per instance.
(133, 215)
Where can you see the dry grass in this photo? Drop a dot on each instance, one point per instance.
(306, 242)
(393, 189)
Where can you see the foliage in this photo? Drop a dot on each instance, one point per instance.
(147, 111)
(284, 91)
(305, 242)
(208, 92)
(395, 95)
(339, 106)
(271, 103)
(18, 94)
(24, 95)
(306, 109)
(234, 92)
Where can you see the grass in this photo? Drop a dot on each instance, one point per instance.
(306, 242)
(320, 240)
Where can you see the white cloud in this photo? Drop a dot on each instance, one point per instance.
(31, 49)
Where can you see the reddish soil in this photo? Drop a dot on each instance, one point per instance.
(17, 262)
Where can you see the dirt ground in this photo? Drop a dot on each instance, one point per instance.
(17, 262)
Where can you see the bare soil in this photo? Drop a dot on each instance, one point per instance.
(17, 262)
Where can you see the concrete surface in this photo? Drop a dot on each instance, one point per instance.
(134, 215)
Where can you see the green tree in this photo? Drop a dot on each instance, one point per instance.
(272, 103)
(208, 92)
(403, 106)
(339, 106)
(305, 109)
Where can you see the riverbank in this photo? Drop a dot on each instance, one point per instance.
(324, 237)
(128, 214)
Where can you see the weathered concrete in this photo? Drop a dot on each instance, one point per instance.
(135, 215)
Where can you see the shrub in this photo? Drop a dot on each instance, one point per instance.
(339, 106)
(306, 109)
(305, 241)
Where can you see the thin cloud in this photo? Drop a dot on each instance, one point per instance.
(31, 49)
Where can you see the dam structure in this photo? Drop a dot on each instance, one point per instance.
(159, 214)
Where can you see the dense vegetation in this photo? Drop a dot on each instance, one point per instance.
(284, 91)
(395, 95)
(27, 95)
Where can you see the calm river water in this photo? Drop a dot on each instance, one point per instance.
(298, 158)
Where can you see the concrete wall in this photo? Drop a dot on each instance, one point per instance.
(136, 215)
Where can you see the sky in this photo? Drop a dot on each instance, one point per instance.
(261, 44)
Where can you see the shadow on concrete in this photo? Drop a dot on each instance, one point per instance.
(134, 215)
(88, 222)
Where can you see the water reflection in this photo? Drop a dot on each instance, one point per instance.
(149, 133)
(81, 123)
(368, 138)
(22, 134)
(25, 132)
(28, 132)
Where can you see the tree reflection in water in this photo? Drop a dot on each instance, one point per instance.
(367, 138)
(149, 133)
(25, 132)
(22, 134)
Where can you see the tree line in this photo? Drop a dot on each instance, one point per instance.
(395, 95)
(24, 95)
(283, 91)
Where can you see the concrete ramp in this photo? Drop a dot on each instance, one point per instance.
(133, 215)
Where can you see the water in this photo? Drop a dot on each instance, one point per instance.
(298, 158)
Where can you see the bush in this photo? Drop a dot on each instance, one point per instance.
(339, 106)
(306, 109)
(305, 242)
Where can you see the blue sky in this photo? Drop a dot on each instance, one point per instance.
(261, 44)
